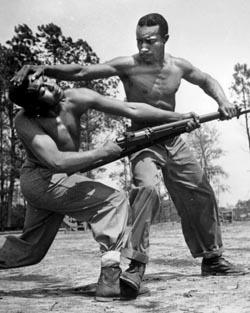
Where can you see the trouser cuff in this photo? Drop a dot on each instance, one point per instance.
(134, 255)
(209, 254)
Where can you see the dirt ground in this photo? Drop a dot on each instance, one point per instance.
(64, 280)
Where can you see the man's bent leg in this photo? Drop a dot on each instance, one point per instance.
(108, 225)
(104, 208)
(109, 221)
(39, 232)
(143, 200)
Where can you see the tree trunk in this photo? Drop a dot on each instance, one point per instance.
(1, 170)
(12, 165)
(246, 116)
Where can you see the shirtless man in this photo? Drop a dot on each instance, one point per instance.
(154, 76)
(49, 128)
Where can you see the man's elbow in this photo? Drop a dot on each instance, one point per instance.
(132, 112)
(207, 82)
(83, 73)
(57, 165)
(80, 75)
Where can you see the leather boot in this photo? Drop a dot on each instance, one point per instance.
(218, 266)
(133, 275)
(108, 285)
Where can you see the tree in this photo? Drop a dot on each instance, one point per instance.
(241, 92)
(204, 143)
(20, 49)
(8, 139)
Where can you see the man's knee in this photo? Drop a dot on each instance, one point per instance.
(16, 252)
(149, 189)
(121, 199)
(145, 194)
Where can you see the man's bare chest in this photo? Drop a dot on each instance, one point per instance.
(63, 130)
(160, 85)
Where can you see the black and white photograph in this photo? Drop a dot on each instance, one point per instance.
(124, 156)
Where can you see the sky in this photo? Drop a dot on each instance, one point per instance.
(213, 35)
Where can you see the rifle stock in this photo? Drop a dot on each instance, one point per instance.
(132, 142)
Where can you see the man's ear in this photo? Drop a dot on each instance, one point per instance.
(166, 37)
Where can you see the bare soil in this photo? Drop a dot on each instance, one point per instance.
(65, 279)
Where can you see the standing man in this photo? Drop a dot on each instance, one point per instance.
(153, 76)
(49, 129)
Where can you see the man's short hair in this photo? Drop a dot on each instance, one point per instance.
(26, 96)
(153, 19)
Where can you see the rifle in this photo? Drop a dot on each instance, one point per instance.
(134, 141)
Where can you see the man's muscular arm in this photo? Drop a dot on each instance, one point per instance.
(210, 86)
(74, 72)
(45, 149)
(83, 99)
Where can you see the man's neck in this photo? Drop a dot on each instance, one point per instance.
(159, 62)
(57, 108)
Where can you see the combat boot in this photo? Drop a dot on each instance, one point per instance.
(133, 275)
(218, 266)
(108, 285)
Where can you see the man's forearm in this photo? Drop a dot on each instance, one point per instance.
(64, 71)
(70, 162)
(142, 112)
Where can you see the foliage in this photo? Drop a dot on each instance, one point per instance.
(205, 144)
(243, 204)
(8, 140)
(241, 92)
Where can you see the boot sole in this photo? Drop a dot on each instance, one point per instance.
(107, 299)
(144, 291)
(224, 274)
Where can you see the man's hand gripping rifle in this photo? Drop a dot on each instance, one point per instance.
(132, 142)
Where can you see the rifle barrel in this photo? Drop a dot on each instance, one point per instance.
(174, 129)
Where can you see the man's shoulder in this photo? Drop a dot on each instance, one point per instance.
(20, 118)
(24, 123)
(178, 61)
(72, 94)
(21, 123)
(122, 62)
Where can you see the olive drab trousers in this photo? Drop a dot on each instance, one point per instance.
(52, 196)
(189, 189)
